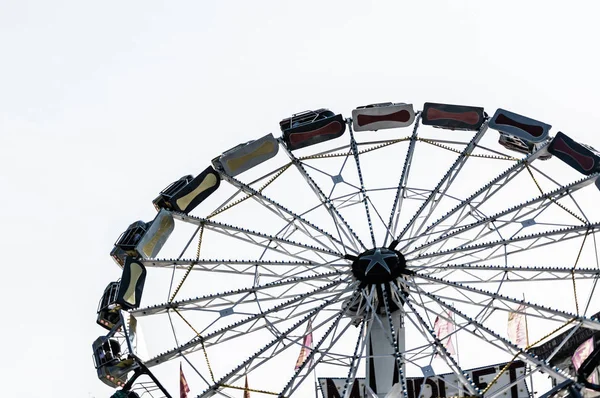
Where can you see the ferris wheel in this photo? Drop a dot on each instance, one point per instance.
(396, 253)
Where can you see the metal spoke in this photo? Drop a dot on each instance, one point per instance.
(231, 376)
(475, 200)
(196, 343)
(360, 346)
(519, 212)
(542, 312)
(401, 190)
(290, 384)
(509, 274)
(362, 183)
(539, 240)
(251, 236)
(337, 218)
(441, 349)
(438, 192)
(235, 266)
(284, 213)
(222, 299)
(485, 334)
(394, 337)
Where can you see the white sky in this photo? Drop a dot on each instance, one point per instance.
(104, 103)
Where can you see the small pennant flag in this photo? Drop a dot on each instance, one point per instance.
(183, 385)
(307, 346)
(516, 326)
(443, 329)
(246, 391)
(581, 354)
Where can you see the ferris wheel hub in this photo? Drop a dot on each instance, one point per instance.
(379, 265)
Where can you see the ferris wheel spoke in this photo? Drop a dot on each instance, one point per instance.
(518, 213)
(363, 193)
(328, 204)
(398, 356)
(472, 204)
(509, 274)
(489, 250)
(284, 314)
(276, 269)
(344, 151)
(310, 360)
(361, 343)
(440, 348)
(288, 215)
(234, 375)
(379, 217)
(226, 299)
(581, 216)
(440, 190)
(253, 237)
(492, 338)
(231, 201)
(392, 224)
(196, 343)
(538, 311)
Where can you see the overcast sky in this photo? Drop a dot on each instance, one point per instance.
(104, 103)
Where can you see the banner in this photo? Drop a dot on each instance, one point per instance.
(581, 354)
(443, 329)
(183, 385)
(516, 326)
(306, 346)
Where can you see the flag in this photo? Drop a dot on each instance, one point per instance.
(183, 385)
(516, 326)
(443, 329)
(581, 354)
(307, 346)
(246, 391)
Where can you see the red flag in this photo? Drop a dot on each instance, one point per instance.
(516, 326)
(443, 329)
(246, 391)
(183, 385)
(581, 354)
(307, 346)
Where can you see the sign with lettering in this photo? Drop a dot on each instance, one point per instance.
(444, 385)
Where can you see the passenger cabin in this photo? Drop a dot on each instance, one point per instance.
(118, 255)
(581, 157)
(245, 156)
(163, 201)
(526, 128)
(311, 127)
(129, 239)
(385, 115)
(186, 193)
(453, 117)
(520, 133)
(111, 366)
(143, 239)
(519, 145)
(306, 117)
(108, 309)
